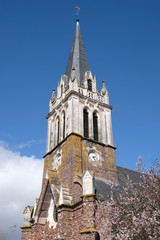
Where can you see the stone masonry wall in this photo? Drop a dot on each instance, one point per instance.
(105, 166)
(73, 219)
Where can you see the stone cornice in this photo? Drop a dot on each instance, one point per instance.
(82, 138)
(82, 96)
(70, 206)
(26, 227)
(60, 143)
(97, 142)
(90, 230)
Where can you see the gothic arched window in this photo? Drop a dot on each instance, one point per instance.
(63, 125)
(85, 123)
(95, 126)
(58, 130)
(89, 81)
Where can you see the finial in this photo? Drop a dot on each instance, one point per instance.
(103, 90)
(53, 98)
(78, 9)
(73, 74)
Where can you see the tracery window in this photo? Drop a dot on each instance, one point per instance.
(85, 123)
(95, 126)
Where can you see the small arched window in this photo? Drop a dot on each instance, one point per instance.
(63, 125)
(89, 84)
(58, 130)
(95, 126)
(85, 123)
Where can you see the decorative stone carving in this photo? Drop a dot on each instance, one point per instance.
(52, 219)
(88, 183)
(57, 160)
(64, 196)
(28, 211)
(103, 91)
(73, 74)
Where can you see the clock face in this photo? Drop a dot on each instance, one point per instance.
(58, 160)
(93, 157)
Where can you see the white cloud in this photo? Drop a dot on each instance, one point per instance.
(29, 143)
(20, 184)
(3, 144)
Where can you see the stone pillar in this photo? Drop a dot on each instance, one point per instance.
(88, 232)
(112, 170)
(64, 222)
(109, 128)
(26, 233)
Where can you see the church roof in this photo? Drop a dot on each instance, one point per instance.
(78, 57)
(124, 173)
(103, 186)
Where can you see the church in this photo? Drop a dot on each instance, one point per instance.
(79, 164)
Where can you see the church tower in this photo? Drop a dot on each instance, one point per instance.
(79, 162)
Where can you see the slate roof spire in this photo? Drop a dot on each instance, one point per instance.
(78, 57)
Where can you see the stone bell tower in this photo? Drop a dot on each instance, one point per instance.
(80, 154)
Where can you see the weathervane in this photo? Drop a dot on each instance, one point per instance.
(78, 9)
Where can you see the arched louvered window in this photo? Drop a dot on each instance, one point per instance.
(85, 123)
(63, 125)
(58, 130)
(95, 126)
(89, 84)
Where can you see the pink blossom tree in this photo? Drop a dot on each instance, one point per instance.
(134, 211)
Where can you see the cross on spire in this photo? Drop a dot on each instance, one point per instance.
(78, 9)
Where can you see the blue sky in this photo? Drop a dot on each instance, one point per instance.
(122, 40)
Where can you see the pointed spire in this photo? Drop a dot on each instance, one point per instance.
(78, 57)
